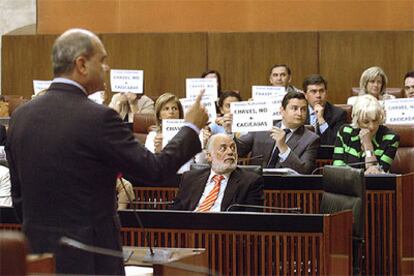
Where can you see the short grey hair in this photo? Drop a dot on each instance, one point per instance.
(367, 107)
(370, 74)
(70, 45)
(212, 139)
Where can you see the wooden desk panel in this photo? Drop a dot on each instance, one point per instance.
(281, 244)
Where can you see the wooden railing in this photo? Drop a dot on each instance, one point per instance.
(282, 244)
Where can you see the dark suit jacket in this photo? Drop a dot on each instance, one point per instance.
(335, 117)
(304, 145)
(65, 152)
(243, 187)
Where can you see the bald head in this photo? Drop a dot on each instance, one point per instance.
(70, 45)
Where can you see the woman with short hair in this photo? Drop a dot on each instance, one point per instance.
(366, 139)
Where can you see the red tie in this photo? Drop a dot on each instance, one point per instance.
(212, 196)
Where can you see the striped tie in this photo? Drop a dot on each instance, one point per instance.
(212, 196)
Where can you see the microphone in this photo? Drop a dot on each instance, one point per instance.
(248, 159)
(293, 210)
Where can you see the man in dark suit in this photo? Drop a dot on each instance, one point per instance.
(200, 192)
(325, 117)
(66, 151)
(288, 145)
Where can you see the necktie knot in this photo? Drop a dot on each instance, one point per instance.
(218, 178)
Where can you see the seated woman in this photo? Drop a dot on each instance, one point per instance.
(214, 74)
(167, 106)
(374, 82)
(127, 104)
(366, 139)
(225, 99)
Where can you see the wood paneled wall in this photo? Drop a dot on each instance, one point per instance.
(243, 59)
(167, 59)
(223, 15)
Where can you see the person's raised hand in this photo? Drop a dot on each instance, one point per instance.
(197, 113)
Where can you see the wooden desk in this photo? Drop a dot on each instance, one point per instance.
(389, 234)
(183, 261)
(251, 243)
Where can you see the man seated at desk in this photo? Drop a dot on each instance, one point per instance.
(222, 185)
(288, 145)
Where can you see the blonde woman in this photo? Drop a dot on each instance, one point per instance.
(373, 82)
(366, 140)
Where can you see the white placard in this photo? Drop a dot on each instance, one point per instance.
(251, 116)
(274, 104)
(208, 103)
(399, 111)
(40, 85)
(260, 92)
(170, 128)
(194, 86)
(97, 97)
(127, 81)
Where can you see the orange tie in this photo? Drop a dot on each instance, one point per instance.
(212, 196)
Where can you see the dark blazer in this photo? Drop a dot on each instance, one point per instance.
(243, 187)
(65, 152)
(335, 117)
(303, 143)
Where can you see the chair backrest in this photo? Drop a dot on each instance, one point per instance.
(343, 189)
(142, 124)
(348, 109)
(404, 158)
(397, 92)
(13, 250)
(253, 168)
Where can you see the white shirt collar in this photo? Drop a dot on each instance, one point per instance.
(212, 173)
(282, 126)
(68, 81)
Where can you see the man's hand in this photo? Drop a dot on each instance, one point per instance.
(319, 110)
(206, 135)
(227, 122)
(197, 114)
(279, 135)
(158, 143)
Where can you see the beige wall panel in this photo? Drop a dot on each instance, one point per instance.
(244, 59)
(25, 58)
(224, 15)
(345, 55)
(167, 59)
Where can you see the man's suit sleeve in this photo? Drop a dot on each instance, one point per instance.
(255, 194)
(123, 152)
(305, 163)
(338, 119)
(182, 195)
(244, 144)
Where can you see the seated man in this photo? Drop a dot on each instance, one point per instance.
(288, 145)
(221, 186)
(409, 84)
(127, 104)
(281, 75)
(325, 117)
